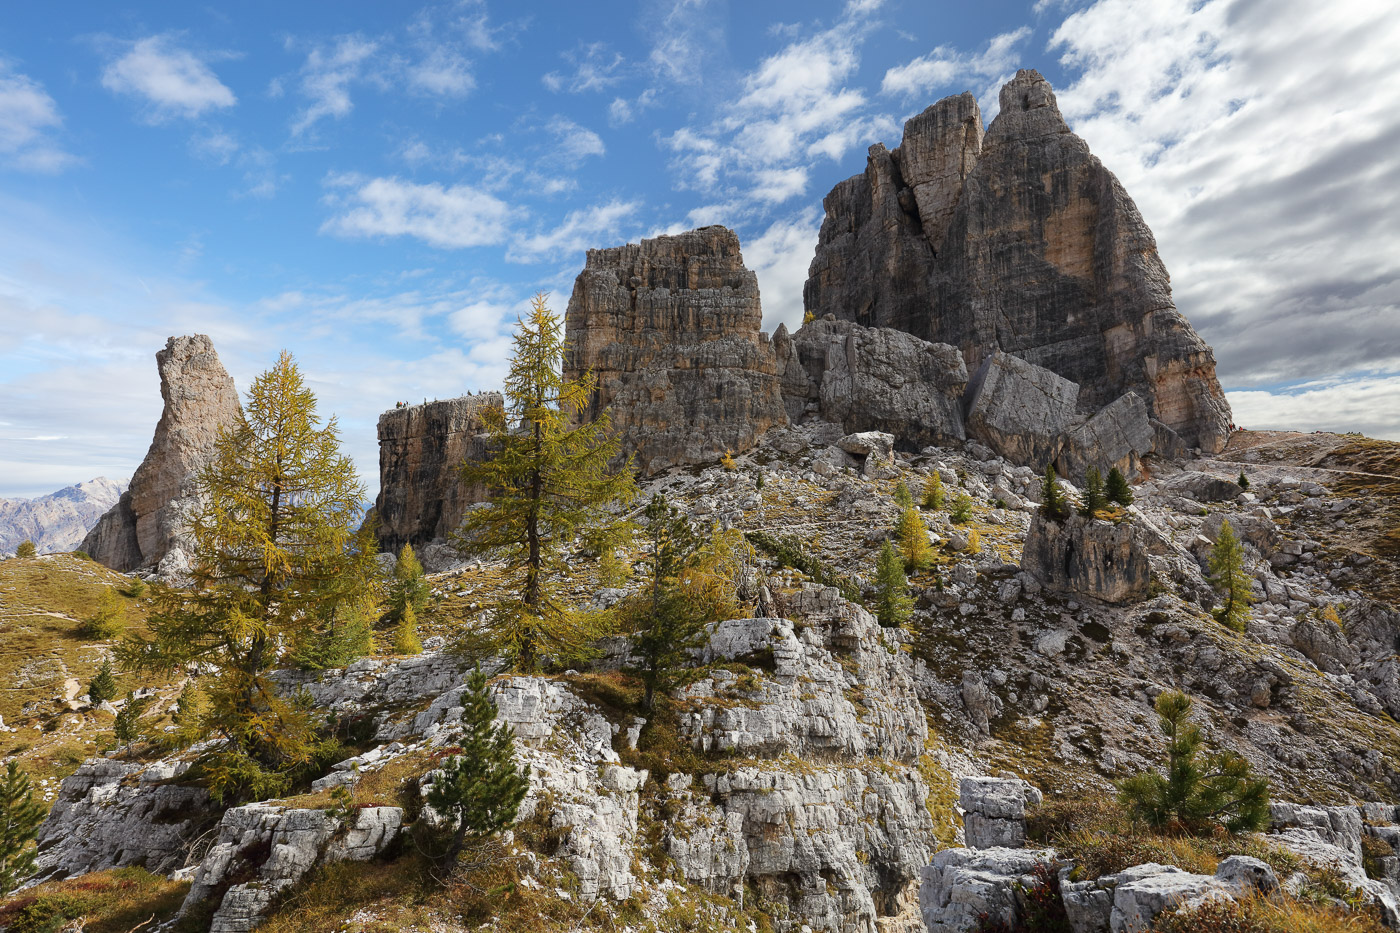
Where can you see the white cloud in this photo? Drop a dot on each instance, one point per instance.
(593, 67)
(780, 256)
(172, 80)
(575, 143)
(443, 71)
(946, 68)
(28, 119)
(580, 230)
(1254, 140)
(622, 110)
(448, 218)
(1360, 403)
(217, 147)
(326, 78)
(687, 34)
(792, 109)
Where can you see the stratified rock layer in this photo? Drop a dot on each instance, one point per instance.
(1019, 241)
(148, 522)
(670, 328)
(421, 451)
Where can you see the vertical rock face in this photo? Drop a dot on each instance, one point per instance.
(421, 448)
(148, 522)
(1020, 241)
(1090, 557)
(670, 328)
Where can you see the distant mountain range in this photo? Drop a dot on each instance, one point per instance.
(60, 520)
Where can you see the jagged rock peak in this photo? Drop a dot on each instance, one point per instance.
(421, 450)
(670, 328)
(148, 523)
(1019, 240)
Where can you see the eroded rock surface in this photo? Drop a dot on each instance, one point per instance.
(148, 523)
(1019, 240)
(421, 450)
(670, 329)
(1090, 557)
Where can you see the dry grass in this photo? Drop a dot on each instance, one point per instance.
(112, 901)
(1261, 915)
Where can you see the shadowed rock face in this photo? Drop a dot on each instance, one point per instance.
(421, 450)
(1019, 241)
(1087, 557)
(148, 522)
(670, 328)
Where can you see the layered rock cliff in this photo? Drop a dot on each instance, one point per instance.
(670, 329)
(147, 523)
(1019, 241)
(421, 451)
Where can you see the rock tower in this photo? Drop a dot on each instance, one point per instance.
(1019, 240)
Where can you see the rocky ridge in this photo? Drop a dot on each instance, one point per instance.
(60, 520)
(145, 529)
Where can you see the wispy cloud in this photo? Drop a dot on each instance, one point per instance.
(446, 217)
(946, 68)
(29, 118)
(575, 143)
(172, 81)
(580, 229)
(592, 67)
(326, 77)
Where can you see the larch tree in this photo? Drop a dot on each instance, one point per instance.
(912, 536)
(551, 478)
(893, 604)
(276, 559)
(933, 491)
(1230, 578)
(410, 587)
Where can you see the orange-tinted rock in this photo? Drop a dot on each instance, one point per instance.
(670, 328)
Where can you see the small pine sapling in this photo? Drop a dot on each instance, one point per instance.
(127, 728)
(933, 491)
(1230, 578)
(20, 817)
(893, 604)
(109, 618)
(961, 513)
(104, 685)
(1094, 499)
(1243, 481)
(1219, 789)
(1053, 504)
(480, 790)
(902, 497)
(26, 550)
(1118, 490)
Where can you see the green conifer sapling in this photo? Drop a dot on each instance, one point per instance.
(1094, 498)
(1118, 490)
(1052, 498)
(104, 686)
(1230, 578)
(893, 604)
(20, 817)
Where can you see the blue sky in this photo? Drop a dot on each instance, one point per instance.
(379, 187)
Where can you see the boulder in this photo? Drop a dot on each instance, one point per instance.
(962, 889)
(670, 330)
(421, 450)
(1118, 436)
(1144, 891)
(994, 811)
(277, 846)
(1017, 240)
(874, 379)
(112, 814)
(1019, 410)
(149, 520)
(1089, 557)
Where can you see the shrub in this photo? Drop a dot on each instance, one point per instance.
(1197, 795)
(1373, 849)
(26, 550)
(1042, 907)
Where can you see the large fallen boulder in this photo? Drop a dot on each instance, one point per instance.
(962, 889)
(1089, 557)
(994, 811)
(873, 379)
(1019, 410)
